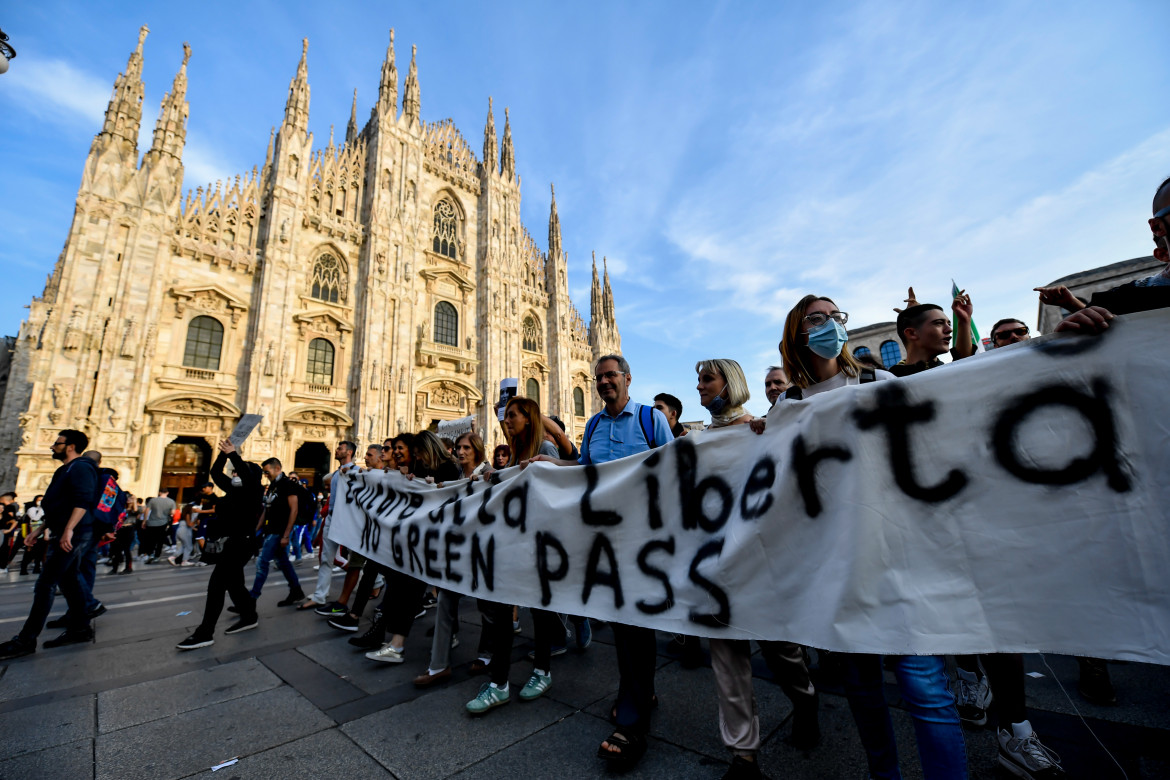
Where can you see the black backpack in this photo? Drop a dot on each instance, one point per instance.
(306, 502)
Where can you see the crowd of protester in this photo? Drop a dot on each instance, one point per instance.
(84, 516)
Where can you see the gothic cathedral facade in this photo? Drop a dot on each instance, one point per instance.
(352, 291)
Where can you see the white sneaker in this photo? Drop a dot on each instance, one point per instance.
(387, 654)
(973, 698)
(1027, 757)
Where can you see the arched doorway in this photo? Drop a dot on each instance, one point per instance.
(311, 463)
(186, 465)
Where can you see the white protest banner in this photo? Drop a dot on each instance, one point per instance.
(453, 429)
(244, 428)
(1014, 501)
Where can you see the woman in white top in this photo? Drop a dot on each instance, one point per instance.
(817, 360)
(723, 390)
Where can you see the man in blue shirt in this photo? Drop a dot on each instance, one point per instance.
(68, 504)
(620, 429)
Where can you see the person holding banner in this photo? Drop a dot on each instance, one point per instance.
(624, 427)
(813, 348)
(525, 428)
(723, 390)
(403, 597)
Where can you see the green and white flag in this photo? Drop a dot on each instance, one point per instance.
(955, 320)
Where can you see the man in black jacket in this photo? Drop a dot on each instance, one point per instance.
(234, 522)
(68, 505)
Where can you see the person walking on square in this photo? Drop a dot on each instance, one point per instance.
(234, 522)
(276, 521)
(68, 504)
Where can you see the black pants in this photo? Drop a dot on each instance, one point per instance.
(151, 541)
(637, 651)
(120, 548)
(498, 620)
(228, 577)
(60, 570)
(365, 587)
(402, 601)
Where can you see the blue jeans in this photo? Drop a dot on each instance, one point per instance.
(60, 570)
(87, 572)
(922, 681)
(272, 548)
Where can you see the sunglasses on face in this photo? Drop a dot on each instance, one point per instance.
(1003, 333)
(610, 375)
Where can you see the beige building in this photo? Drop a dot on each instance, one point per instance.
(1084, 283)
(354, 290)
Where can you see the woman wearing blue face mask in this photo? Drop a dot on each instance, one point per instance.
(817, 359)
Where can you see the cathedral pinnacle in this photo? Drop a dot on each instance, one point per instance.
(296, 109)
(596, 309)
(411, 103)
(170, 131)
(124, 113)
(351, 128)
(507, 155)
(388, 87)
(491, 151)
(554, 227)
(607, 295)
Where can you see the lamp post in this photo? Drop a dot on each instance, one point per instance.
(6, 52)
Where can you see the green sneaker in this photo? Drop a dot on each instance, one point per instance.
(536, 686)
(488, 698)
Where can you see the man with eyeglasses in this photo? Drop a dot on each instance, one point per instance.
(1009, 331)
(624, 427)
(1153, 292)
(925, 330)
(68, 504)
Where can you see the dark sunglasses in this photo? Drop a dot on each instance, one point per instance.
(1003, 333)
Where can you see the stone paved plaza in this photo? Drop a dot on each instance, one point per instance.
(292, 699)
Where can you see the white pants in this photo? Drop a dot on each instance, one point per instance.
(328, 550)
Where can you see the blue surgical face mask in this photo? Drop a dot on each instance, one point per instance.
(718, 403)
(828, 339)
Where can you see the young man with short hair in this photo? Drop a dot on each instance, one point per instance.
(277, 520)
(925, 330)
(1009, 331)
(68, 504)
(672, 408)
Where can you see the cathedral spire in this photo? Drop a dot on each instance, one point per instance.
(554, 227)
(329, 147)
(351, 128)
(596, 309)
(411, 104)
(296, 109)
(124, 113)
(388, 86)
(170, 131)
(507, 155)
(607, 295)
(491, 150)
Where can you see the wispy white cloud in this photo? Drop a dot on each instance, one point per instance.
(59, 91)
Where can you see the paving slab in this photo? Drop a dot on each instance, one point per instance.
(197, 740)
(147, 701)
(73, 760)
(46, 725)
(324, 754)
(434, 736)
(568, 748)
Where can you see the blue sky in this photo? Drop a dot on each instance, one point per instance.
(726, 157)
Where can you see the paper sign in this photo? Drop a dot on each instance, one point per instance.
(244, 428)
(227, 763)
(453, 429)
(508, 388)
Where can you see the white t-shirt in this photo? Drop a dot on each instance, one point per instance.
(841, 379)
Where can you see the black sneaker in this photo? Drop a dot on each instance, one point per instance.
(294, 597)
(345, 622)
(59, 622)
(331, 609)
(742, 769)
(374, 638)
(429, 601)
(243, 624)
(195, 641)
(97, 611)
(15, 648)
(70, 638)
